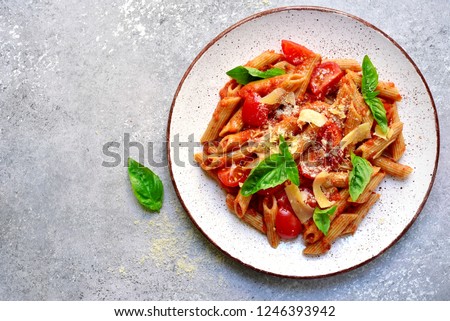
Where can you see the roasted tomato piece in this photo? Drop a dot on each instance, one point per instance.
(324, 154)
(254, 113)
(313, 161)
(295, 53)
(330, 134)
(232, 176)
(310, 199)
(325, 78)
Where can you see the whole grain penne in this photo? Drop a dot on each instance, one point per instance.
(346, 64)
(270, 208)
(251, 217)
(262, 87)
(352, 120)
(306, 75)
(286, 126)
(312, 234)
(223, 112)
(336, 179)
(398, 147)
(360, 104)
(231, 89)
(234, 125)
(336, 228)
(292, 82)
(374, 147)
(361, 211)
(241, 204)
(287, 67)
(211, 161)
(256, 220)
(232, 141)
(386, 89)
(268, 57)
(393, 168)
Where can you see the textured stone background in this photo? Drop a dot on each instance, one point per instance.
(77, 74)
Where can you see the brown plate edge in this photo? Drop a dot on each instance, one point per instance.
(321, 9)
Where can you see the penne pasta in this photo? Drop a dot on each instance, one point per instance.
(268, 57)
(234, 125)
(337, 179)
(386, 90)
(251, 217)
(352, 120)
(241, 204)
(393, 168)
(398, 147)
(232, 141)
(231, 89)
(374, 147)
(336, 228)
(306, 75)
(270, 212)
(312, 234)
(223, 112)
(347, 64)
(361, 212)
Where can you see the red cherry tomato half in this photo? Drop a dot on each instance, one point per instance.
(325, 154)
(287, 225)
(331, 134)
(294, 53)
(254, 113)
(283, 200)
(324, 78)
(312, 162)
(231, 177)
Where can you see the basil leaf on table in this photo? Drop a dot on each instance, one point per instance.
(272, 171)
(369, 83)
(359, 176)
(146, 185)
(322, 218)
(244, 75)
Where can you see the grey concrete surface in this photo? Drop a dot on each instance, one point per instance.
(75, 75)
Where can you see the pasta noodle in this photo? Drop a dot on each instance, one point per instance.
(224, 110)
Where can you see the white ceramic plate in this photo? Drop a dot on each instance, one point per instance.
(332, 34)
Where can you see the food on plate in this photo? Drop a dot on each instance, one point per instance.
(300, 143)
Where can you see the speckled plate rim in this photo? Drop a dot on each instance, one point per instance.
(299, 8)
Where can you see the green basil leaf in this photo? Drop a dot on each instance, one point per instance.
(241, 75)
(146, 185)
(369, 83)
(379, 113)
(370, 76)
(291, 166)
(272, 171)
(322, 218)
(359, 176)
(265, 74)
(244, 75)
